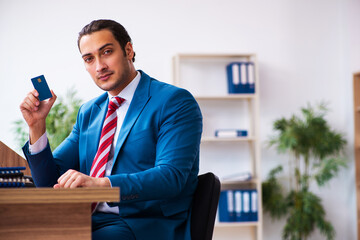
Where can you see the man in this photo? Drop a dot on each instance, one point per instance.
(147, 143)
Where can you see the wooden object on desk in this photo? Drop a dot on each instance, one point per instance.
(356, 89)
(9, 158)
(51, 214)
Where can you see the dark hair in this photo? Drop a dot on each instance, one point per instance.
(118, 31)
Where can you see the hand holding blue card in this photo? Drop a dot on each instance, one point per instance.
(41, 86)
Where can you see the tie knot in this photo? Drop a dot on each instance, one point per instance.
(115, 103)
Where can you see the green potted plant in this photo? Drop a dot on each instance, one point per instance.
(59, 122)
(316, 156)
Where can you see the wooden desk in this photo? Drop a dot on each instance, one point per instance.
(46, 213)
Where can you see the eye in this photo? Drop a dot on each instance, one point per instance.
(88, 59)
(107, 51)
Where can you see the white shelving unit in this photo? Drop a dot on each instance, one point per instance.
(204, 75)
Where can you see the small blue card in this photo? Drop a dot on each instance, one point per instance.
(41, 86)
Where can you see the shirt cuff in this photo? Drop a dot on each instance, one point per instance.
(39, 145)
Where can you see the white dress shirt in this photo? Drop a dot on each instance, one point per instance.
(127, 93)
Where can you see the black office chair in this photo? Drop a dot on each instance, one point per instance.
(204, 207)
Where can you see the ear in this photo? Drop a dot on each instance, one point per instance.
(129, 51)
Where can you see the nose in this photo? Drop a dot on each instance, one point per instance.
(100, 65)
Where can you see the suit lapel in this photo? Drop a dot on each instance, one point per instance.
(97, 116)
(139, 101)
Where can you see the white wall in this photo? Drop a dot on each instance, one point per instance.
(307, 52)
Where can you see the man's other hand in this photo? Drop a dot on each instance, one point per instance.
(74, 179)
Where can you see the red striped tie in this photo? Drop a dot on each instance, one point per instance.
(106, 139)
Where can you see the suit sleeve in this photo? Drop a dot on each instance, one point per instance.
(177, 152)
(43, 168)
(46, 167)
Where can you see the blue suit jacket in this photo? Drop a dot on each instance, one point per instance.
(156, 158)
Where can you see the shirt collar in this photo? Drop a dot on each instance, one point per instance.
(128, 92)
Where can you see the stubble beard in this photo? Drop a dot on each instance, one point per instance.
(120, 83)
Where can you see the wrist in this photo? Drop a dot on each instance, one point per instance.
(36, 131)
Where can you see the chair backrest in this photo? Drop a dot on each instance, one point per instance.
(204, 207)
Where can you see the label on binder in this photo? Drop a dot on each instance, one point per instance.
(254, 201)
(238, 204)
(243, 74)
(230, 201)
(251, 75)
(235, 74)
(246, 199)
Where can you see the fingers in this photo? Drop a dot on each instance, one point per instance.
(47, 104)
(73, 179)
(31, 101)
(70, 179)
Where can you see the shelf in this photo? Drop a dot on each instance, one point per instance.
(227, 97)
(236, 224)
(215, 139)
(205, 76)
(234, 182)
(356, 102)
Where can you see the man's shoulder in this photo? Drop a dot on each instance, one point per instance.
(99, 100)
(156, 85)
(167, 90)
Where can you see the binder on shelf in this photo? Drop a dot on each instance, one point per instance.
(230, 133)
(250, 205)
(241, 77)
(254, 205)
(238, 205)
(226, 206)
(246, 202)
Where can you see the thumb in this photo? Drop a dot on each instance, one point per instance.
(53, 98)
(50, 102)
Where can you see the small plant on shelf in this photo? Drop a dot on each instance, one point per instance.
(316, 153)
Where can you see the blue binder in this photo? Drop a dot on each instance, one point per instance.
(226, 206)
(254, 205)
(230, 133)
(238, 206)
(241, 77)
(246, 206)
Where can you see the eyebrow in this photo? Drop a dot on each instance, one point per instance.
(101, 48)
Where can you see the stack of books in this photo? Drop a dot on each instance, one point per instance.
(13, 177)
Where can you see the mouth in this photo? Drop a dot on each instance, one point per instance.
(104, 77)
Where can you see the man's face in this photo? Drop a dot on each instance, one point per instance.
(110, 68)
